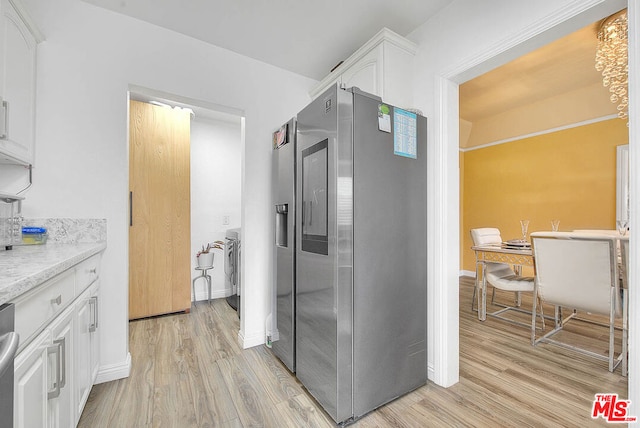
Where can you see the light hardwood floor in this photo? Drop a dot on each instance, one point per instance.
(188, 371)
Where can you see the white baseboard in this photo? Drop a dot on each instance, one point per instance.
(251, 341)
(110, 372)
(215, 294)
(470, 273)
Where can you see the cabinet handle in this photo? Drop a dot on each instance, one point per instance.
(93, 301)
(55, 391)
(57, 300)
(94, 270)
(95, 318)
(62, 343)
(5, 123)
(130, 209)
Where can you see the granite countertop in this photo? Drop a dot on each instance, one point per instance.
(27, 266)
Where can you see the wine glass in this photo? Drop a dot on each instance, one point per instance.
(524, 226)
(622, 227)
(555, 225)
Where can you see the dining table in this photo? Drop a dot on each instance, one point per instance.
(519, 256)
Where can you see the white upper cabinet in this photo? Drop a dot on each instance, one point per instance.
(382, 66)
(366, 73)
(18, 40)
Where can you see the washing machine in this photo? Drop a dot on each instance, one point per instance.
(232, 267)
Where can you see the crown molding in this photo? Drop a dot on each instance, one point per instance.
(22, 12)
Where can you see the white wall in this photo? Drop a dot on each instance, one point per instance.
(215, 192)
(85, 66)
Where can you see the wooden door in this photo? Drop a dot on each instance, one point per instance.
(160, 225)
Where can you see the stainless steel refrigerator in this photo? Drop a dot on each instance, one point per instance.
(361, 252)
(284, 194)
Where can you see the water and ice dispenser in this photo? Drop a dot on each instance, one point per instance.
(282, 212)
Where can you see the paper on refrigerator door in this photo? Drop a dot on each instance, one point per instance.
(384, 119)
(405, 128)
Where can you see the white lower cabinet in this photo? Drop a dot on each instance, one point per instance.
(43, 377)
(56, 369)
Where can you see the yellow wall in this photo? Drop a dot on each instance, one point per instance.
(462, 231)
(568, 175)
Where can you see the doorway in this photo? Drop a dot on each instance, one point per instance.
(445, 244)
(215, 157)
(559, 166)
(216, 202)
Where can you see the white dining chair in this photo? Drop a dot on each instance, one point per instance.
(487, 236)
(608, 232)
(501, 277)
(579, 271)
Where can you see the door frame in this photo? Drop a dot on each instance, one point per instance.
(142, 93)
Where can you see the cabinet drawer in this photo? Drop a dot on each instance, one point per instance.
(87, 272)
(35, 309)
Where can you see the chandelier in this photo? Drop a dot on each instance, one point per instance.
(611, 59)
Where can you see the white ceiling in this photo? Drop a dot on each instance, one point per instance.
(311, 37)
(308, 37)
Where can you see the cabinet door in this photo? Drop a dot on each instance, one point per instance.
(83, 380)
(94, 328)
(366, 73)
(18, 86)
(62, 407)
(87, 345)
(31, 384)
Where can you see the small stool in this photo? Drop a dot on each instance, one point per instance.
(203, 274)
